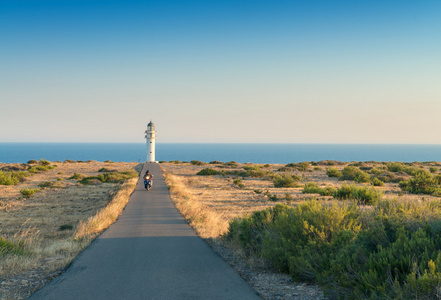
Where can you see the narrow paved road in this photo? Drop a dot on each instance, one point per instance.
(148, 253)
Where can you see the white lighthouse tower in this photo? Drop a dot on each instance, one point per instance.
(150, 135)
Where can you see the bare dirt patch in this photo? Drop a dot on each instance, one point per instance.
(47, 222)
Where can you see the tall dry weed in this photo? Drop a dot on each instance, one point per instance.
(207, 223)
(105, 217)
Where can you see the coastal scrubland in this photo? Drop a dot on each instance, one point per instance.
(50, 211)
(368, 230)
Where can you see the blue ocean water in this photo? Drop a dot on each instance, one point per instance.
(255, 153)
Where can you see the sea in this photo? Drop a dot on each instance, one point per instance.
(242, 153)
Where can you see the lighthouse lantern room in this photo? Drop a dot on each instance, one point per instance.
(150, 135)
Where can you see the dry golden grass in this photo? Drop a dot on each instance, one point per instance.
(107, 216)
(40, 222)
(206, 222)
(209, 203)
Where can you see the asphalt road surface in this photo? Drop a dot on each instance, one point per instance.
(150, 252)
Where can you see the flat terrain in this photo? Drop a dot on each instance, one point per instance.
(150, 252)
(47, 221)
(234, 194)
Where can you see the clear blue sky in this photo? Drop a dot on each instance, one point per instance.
(221, 71)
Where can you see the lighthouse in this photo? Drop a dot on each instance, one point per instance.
(150, 135)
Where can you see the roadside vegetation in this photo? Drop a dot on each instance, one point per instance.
(48, 219)
(393, 251)
(367, 230)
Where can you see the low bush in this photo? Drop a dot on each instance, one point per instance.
(197, 163)
(208, 172)
(333, 172)
(44, 162)
(304, 166)
(231, 164)
(313, 188)
(390, 252)
(215, 162)
(362, 194)
(28, 193)
(377, 182)
(256, 173)
(433, 169)
(12, 177)
(32, 162)
(354, 173)
(46, 184)
(422, 183)
(112, 177)
(376, 171)
(41, 168)
(286, 180)
(402, 167)
(77, 176)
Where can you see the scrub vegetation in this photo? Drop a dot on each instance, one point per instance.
(48, 217)
(368, 230)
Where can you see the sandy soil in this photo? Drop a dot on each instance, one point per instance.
(47, 221)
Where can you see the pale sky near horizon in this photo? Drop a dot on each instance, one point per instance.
(221, 71)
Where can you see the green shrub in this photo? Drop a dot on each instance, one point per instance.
(41, 168)
(46, 184)
(215, 162)
(76, 176)
(12, 177)
(197, 163)
(333, 172)
(208, 172)
(32, 162)
(231, 164)
(272, 197)
(28, 193)
(112, 177)
(286, 180)
(304, 166)
(313, 188)
(433, 169)
(363, 195)
(422, 183)
(376, 171)
(401, 167)
(377, 182)
(395, 166)
(288, 197)
(354, 173)
(390, 252)
(44, 162)
(255, 173)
